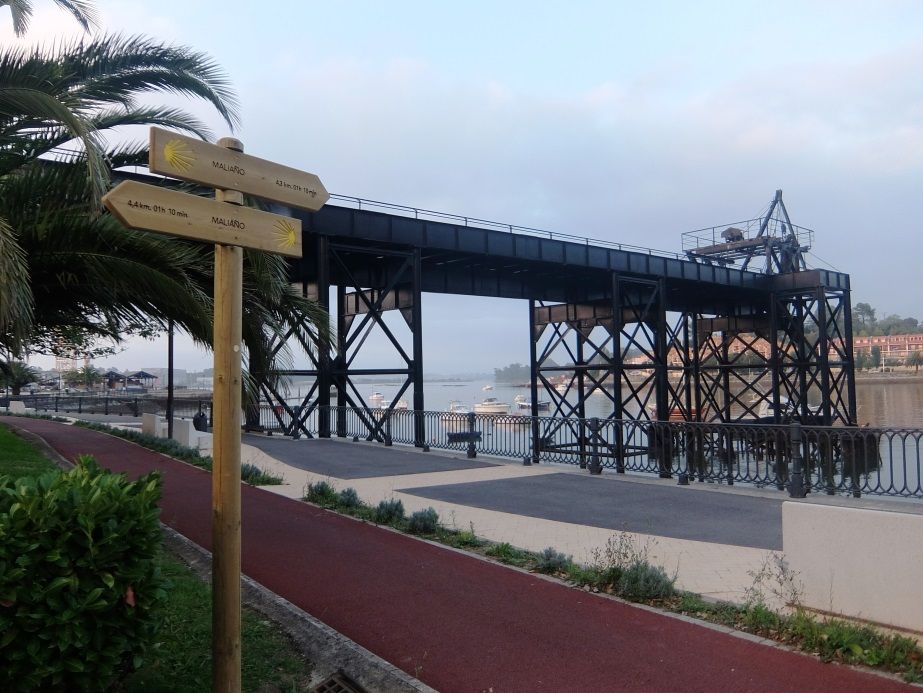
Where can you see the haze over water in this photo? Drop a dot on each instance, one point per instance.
(884, 404)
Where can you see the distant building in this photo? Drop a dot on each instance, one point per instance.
(893, 347)
(63, 364)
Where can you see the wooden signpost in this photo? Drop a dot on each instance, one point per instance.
(148, 207)
(231, 227)
(190, 159)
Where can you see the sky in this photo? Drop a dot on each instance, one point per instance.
(628, 122)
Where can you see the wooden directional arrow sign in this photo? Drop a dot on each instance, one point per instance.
(148, 207)
(190, 159)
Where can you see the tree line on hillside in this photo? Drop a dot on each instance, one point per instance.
(865, 323)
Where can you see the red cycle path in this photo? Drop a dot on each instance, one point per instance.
(459, 623)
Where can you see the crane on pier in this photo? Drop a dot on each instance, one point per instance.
(772, 237)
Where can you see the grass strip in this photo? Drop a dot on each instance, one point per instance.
(622, 570)
(19, 458)
(182, 660)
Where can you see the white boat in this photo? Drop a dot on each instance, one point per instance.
(765, 413)
(379, 405)
(524, 404)
(487, 388)
(491, 406)
(386, 404)
(456, 418)
(512, 421)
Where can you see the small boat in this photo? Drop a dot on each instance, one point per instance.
(379, 405)
(765, 413)
(487, 388)
(512, 421)
(456, 418)
(524, 404)
(491, 406)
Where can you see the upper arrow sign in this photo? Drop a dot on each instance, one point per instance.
(148, 207)
(176, 155)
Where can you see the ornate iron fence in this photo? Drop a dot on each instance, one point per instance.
(113, 404)
(792, 457)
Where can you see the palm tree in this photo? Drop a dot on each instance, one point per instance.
(16, 374)
(916, 360)
(69, 274)
(87, 376)
(77, 92)
(21, 10)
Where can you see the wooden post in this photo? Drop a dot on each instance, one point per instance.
(231, 227)
(226, 470)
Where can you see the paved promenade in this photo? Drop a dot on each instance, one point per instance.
(711, 538)
(457, 622)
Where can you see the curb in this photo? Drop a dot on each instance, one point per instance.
(329, 651)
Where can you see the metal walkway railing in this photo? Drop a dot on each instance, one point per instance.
(833, 460)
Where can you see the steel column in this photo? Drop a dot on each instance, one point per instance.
(324, 379)
(419, 424)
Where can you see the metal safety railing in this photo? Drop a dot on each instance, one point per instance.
(112, 404)
(792, 457)
(474, 222)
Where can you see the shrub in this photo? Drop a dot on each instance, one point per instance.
(641, 581)
(507, 553)
(349, 499)
(389, 512)
(550, 561)
(503, 551)
(423, 522)
(460, 538)
(255, 476)
(79, 584)
(467, 539)
(321, 493)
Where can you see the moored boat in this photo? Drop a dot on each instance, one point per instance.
(524, 404)
(456, 418)
(491, 405)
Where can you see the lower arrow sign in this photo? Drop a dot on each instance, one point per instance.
(147, 207)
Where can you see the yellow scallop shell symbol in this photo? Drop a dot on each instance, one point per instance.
(178, 155)
(286, 235)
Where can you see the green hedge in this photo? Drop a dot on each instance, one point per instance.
(79, 585)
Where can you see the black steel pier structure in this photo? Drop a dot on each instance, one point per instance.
(662, 336)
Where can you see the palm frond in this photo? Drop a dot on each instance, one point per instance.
(115, 68)
(21, 10)
(16, 305)
(36, 104)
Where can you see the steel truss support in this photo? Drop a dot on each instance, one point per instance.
(735, 364)
(815, 359)
(684, 402)
(360, 311)
(617, 348)
(291, 419)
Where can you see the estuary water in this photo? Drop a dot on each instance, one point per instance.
(892, 403)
